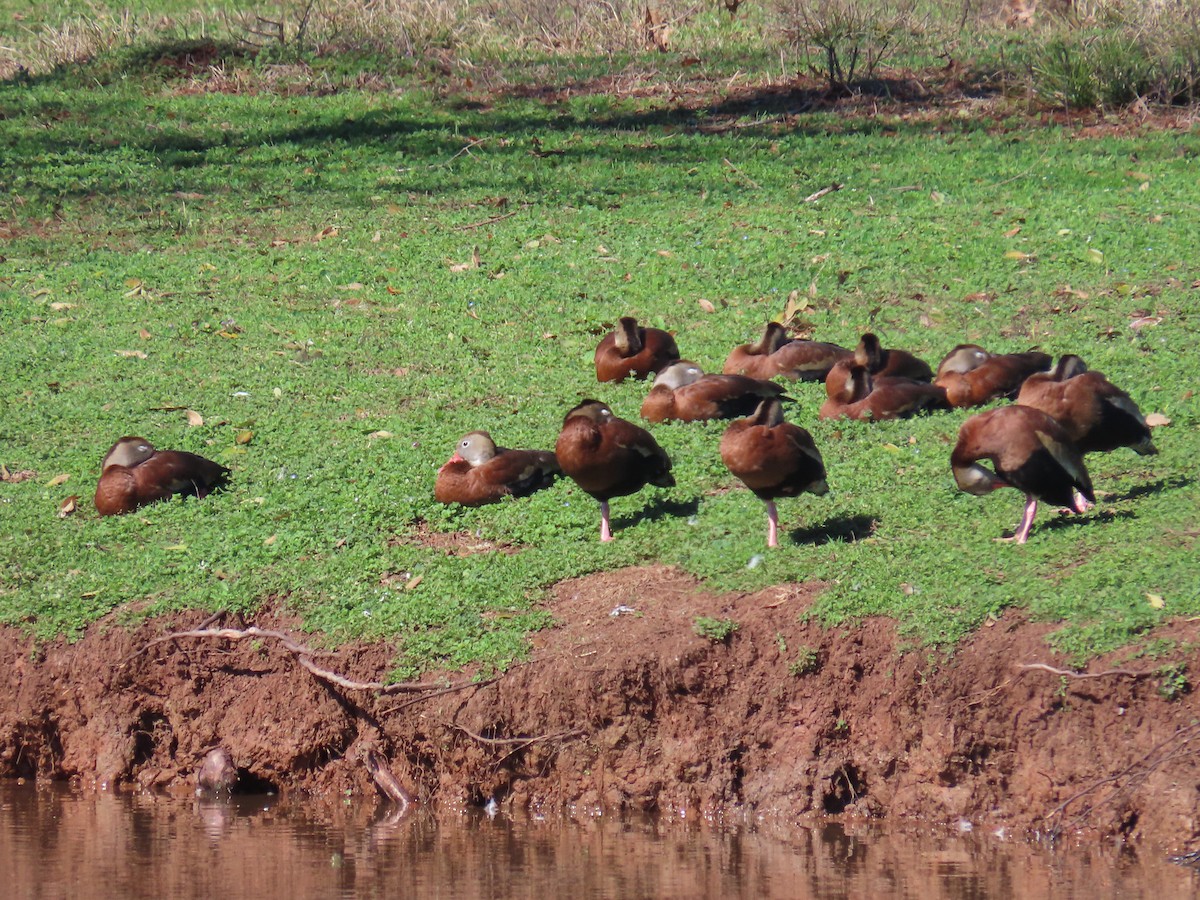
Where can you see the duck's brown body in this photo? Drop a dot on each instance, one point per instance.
(879, 363)
(134, 474)
(776, 355)
(1096, 414)
(609, 457)
(633, 352)
(865, 397)
(971, 376)
(479, 472)
(773, 458)
(684, 393)
(1029, 451)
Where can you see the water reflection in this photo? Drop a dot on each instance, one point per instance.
(55, 843)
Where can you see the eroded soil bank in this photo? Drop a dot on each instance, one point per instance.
(636, 710)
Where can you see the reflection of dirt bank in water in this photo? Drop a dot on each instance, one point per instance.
(636, 710)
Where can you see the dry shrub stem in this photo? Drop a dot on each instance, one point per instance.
(1067, 673)
(303, 656)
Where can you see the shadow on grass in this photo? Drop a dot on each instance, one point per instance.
(1153, 487)
(1074, 520)
(851, 528)
(659, 509)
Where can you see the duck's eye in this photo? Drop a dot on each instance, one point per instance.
(465, 444)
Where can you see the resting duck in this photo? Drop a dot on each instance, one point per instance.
(479, 472)
(776, 354)
(773, 458)
(683, 392)
(879, 363)
(133, 474)
(972, 376)
(1029, 451)
(633, 351)
(865, 397)
(609, 457)
(1097, 415)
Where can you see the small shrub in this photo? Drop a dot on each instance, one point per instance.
(850, 38)
(806, 663)
(1173, 681)
(1062, 76)
(716, 630)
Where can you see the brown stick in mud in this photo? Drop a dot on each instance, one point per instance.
(304, 658)
(1067, 673)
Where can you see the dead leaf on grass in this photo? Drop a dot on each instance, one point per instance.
(380, 435)
(16, 477)
(706, 305)
(1013, 232)
(1157, 420)
(59, 479)
(67, 506)
(133, 354)
(194, 419)
(327, 232)
(244, 437)
(1156, 601)
(1018, 255)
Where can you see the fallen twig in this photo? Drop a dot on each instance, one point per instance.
(833, 186)
(489, 221)
(1067, 673)
(525, 741)
(754, 184)
(303, 657)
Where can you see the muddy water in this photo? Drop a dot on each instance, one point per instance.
(55, 843)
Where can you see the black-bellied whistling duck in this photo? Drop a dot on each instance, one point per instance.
(479, 472)
(133, 474)
(879, 363)
(972, 376)
(632, 351)
(1097, 415)
(865, 397)
(776, 354)
(773, 458)
(683, 392)
(1029, 451)
(609, 457)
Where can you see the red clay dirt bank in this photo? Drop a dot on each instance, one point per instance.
(638, 711)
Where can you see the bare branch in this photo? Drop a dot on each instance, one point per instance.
(1067, 673)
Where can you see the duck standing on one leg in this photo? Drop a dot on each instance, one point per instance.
(1029, 451)
(609, 457)
(133, 474)
(774, 459)
(1097, 414)
(479, 472)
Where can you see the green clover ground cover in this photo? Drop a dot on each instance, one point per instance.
(301, 271)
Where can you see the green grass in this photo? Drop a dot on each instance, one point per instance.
(292, 260)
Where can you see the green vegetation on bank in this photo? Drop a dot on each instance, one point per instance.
(342, 282)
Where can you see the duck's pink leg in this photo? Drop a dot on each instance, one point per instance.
(605, 527)
(772, 524)
(1082, 503)
(1027, 520)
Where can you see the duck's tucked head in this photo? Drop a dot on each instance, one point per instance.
(590, 409)
(628, 338)
(678, 374)
(476, 448)
(975, 479)
(768, 413)
(962, 359)
(858, 384)
(869, 351)
(128, 451)
(774, 337)
(1069, 366)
